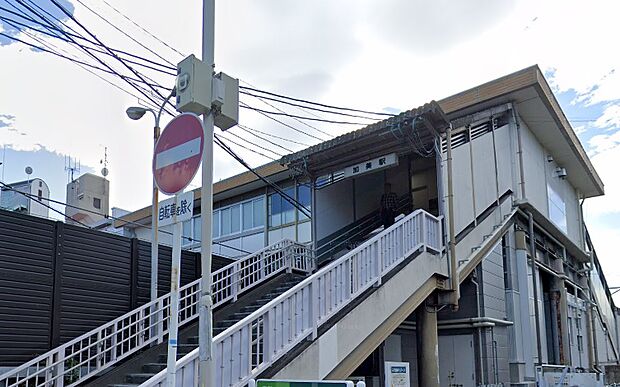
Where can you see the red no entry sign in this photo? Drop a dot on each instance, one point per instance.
(178, 153)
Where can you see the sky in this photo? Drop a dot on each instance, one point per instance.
(391, 55)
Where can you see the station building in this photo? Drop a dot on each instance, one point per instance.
(515, 291)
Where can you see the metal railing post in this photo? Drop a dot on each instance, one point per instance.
(289, 258)
(160, 321)
(99, 345)
(347, 278)
(377, 257)
(269, 336)
(424, 240)
(314, 308)
(60, 368)
(113, 342)
(234, 282)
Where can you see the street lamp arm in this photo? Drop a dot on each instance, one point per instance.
(173, 93)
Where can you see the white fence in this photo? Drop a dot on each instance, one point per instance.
(254, 343)
(89, 354)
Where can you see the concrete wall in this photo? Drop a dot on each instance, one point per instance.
(495, 339)
(475, 190)
(539, 174)
(334, 208)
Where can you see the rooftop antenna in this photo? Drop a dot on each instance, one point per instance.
(104, 170)
(3, 162)
(71, 169)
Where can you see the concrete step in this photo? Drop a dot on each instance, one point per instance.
(138, 378)
(163, 357)
(153, 367)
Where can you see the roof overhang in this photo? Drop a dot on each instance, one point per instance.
(374, 140)
(528, 91)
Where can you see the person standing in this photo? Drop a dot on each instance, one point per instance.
(389, 201)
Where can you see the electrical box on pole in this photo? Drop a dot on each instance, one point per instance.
(193, 86)
(225, 101)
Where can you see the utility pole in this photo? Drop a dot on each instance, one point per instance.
(205, 325)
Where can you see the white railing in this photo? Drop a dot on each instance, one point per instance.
(250, 346)
(73, 362)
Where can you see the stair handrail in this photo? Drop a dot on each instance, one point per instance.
(79, 359)
(253, 344)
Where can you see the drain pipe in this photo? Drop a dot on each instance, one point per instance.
(534, 284)
(515, 117)
(483, 375)
(454, 275)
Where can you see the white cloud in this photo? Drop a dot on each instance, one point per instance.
(610, 117)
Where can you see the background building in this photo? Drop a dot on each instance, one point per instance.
(15, 201)
(91, 194)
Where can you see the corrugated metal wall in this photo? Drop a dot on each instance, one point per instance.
(58, 281)
(26, 286)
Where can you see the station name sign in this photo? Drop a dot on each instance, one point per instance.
(371, 165)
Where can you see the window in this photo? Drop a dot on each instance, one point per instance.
(225, 218)
(97, 203)
(557, 209)
(235, 217)
(197, 223)
(304, 196)
(258, 208)
(216, 224)
(248, 213)
(186, 240)
(40, 194)
(239, 217)
(281, 211)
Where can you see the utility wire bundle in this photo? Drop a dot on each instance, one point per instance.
(144, 74)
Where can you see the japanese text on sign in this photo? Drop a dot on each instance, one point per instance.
(170, 210)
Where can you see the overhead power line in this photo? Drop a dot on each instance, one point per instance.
(303, 117)
(124, 33)
(253, 144)
(251, 131)
(125, 78)
(300, 207)
(24, 29)
(314, 103)
(53, 31)
(143, 29)
(52, 47)
(249, 149)
(243, 104)
(72, 17)
(276, 136)
(309, 107)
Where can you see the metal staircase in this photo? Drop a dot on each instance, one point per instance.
(256, 342)
(78, 360)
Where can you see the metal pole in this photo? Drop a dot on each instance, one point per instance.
(454, 273)
(173, 318)
(154, 239)
(205, 325)
(535, 286)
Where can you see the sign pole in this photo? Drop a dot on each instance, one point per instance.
(205, 325)
(173, 320)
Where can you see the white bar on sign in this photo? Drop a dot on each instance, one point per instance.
(178, 153)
